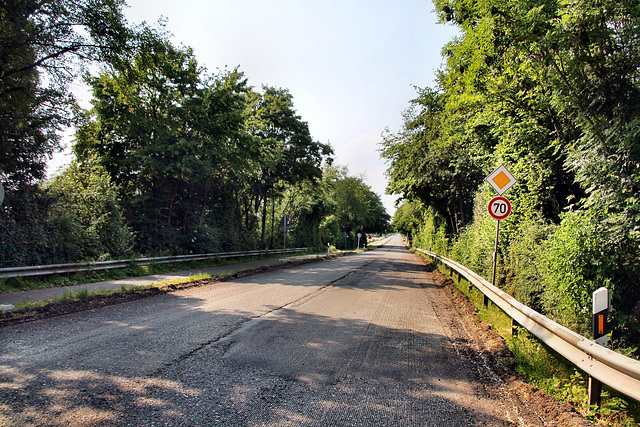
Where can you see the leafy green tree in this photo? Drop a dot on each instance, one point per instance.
(174, 144)
(42, 45)
(74, 217)
(353, 206)
(288, 155)
(139, 135)
(556, 85)
(87, 215)
(550, 89)
(407, 220)
(379, 220)
(306, 207)
(424, 165)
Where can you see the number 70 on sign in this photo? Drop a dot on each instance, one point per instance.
(499, 208)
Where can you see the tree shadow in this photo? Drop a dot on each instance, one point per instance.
(288, 367)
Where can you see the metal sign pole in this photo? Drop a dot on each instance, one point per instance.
(495, 254)
(499, 208)
(284, 227)
(495, 262)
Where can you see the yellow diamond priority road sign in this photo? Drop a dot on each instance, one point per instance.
(501, 180)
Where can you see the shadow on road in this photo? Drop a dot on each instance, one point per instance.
(286, 368)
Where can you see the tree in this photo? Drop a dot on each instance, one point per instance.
(174, 143)
(407, 220)
(139, 134)
(42, 45)
(427, 166)
(557, 84)
(88, 216)
(550, 89)
(288, 154)
(353, 206)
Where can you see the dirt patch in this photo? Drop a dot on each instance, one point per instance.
(535, 403)
(96, 301)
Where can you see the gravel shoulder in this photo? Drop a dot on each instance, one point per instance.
(533, 406)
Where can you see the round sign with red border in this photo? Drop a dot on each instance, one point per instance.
(499, 207)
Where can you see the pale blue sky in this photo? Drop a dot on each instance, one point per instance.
(350, 64)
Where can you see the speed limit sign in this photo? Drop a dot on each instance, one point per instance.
(499, 208)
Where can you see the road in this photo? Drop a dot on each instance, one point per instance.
(362, 340)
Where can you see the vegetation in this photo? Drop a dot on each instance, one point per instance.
(550, 89)
(134, 270)
(542, 367)
(169, 160)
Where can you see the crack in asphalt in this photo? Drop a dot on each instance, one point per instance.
(246, 321)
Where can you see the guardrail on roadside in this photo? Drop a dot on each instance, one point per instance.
(619, 372)
(43, 270)
(379, 242)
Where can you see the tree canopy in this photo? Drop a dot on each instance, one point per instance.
(551, 90)
(43, 45)
(168, 159)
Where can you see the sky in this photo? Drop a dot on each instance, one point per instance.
(351, 65)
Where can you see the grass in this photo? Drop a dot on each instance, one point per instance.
(32, 283)
(547, 370)
(83, 293)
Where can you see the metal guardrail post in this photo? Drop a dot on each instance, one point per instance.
(514, 327)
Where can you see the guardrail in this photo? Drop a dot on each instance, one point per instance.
(619, 372)
(380, 242)
(43, 270)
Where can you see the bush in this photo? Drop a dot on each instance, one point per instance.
(27, 234)
(523, 264)
(575, 264)
(475, 244)
(87, 215)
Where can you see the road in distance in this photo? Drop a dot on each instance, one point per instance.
(365, 339)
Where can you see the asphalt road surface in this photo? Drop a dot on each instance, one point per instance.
(363, 340)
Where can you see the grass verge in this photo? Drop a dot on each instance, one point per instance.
(81, 300)
(73, 279)
(83, 294)
(542, 367)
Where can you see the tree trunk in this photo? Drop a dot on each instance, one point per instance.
(263, 240)
(273, 222)
(452, 220)
(461, 203)
(174, 194)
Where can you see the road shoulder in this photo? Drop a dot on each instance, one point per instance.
(534, 407)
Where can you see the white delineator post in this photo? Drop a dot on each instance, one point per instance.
(600, 336)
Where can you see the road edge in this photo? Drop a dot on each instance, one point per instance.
(539, 404)
(94, 301)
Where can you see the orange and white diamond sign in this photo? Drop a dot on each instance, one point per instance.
(501, 180)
